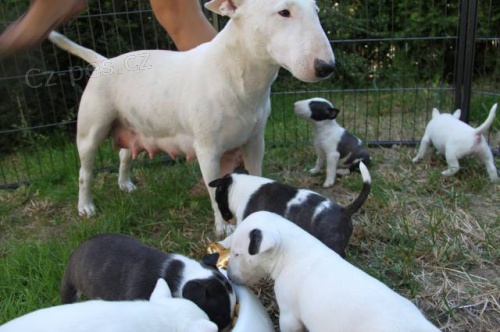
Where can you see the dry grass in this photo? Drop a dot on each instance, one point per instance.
(434, 240)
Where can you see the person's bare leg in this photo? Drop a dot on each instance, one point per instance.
(184, 22)
(34, 26)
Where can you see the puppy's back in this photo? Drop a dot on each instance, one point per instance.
(114, 260)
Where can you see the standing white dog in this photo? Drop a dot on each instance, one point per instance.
(161, 313)
(203, 102)
(456, 139)
(335, 145)
(316, 290)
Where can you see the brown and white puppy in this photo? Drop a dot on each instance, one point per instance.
(116, 267)
(335, 145)
(456, 139)
(239, 195)
(315, 289)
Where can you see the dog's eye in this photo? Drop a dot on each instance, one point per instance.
(284, 13)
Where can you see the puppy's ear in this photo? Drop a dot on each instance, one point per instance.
(457, 114)
(160, 292)
(435, 112)
(332, 113)
(195, 291)
(219, 182)
(222, 7)
(261, 242)
(210, 259)
(240, 169)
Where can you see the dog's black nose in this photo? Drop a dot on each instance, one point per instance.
(323, 69)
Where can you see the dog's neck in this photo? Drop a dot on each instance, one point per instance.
(325, 125)
(247, 65)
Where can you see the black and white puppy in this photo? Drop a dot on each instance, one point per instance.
(117, 267)
(239, 195)
(334, 144)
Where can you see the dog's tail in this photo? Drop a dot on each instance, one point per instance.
(86, 54)
(365, 191)
(487, 123)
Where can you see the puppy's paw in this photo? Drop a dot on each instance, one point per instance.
(314, 170)
(230, 229)
(127, 186)
(328, 183)
(449, 172)
(343, 171)
(415, 160)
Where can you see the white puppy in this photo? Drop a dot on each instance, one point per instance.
(315, 288)
(202, 102)
(335, 145)
(456, 139)
(161, 313)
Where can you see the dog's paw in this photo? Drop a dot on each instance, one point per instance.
(230, 229)
(328, 184)
(314, 170)
(415, 160)
(86, 210)
(449, 172)
(343, 171)
(127, 186)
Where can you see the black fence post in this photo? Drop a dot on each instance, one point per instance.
(464, 68)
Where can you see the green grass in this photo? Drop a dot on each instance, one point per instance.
(434, 240)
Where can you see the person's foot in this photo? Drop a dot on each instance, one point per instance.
(34, 26)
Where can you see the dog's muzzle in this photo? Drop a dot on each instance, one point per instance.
(322, 68)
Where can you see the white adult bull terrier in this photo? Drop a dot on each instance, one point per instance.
(160, 314)
(316, 290)
(239, 195)
(335, 145)
(117, 267)
(202, 102)
(455, 139)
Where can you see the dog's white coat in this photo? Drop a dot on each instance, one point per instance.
(315, 288)
(202, 102)
(455, 139)
(326, 140)
(160, 314)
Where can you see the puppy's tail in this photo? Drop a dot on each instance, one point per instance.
(86, 54)
(487, 123)
(365, 191)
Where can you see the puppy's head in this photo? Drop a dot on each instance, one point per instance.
(316, 109)
(214, 295)
(253, 248)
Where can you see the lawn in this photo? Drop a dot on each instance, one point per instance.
(435, 240)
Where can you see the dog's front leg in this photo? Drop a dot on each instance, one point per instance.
(320, 160)
(124, 180)
(253, 154)
(332, 160)
(209, 161)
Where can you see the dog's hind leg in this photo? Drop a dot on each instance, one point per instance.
(124, 181)
(452, 161)
(486, 157)
(424, 145)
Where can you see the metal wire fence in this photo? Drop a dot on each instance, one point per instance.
(395, 62)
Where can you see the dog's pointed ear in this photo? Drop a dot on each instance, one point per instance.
(160, 292)
(435, 112)
(222, 7)
(210, 259)
(261, 242)
(332, 113)
(457, 114)
(220, 182)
